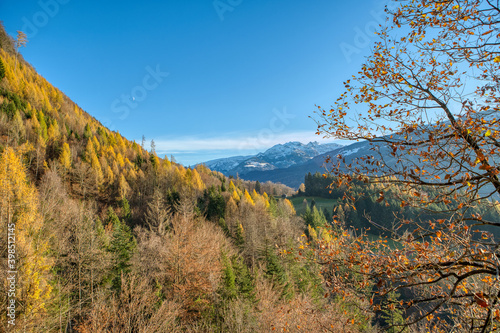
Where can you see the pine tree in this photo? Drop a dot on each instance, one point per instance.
(239, 238)
(276, 272)
(257, 187)
(244, 279)
(126, 213)
(155, 161)
(314, 218)
(212, 204)
(228, 278)
(326, 213)
(122, 246)
(223, 225)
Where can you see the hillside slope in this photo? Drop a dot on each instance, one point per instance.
(104, 236)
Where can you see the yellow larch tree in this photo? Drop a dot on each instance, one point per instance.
(289, 204)
(96, 166)
(53, 130)
(65, 157)
(97, 145)
(248, 198)
(123, 187)
(119, 142)
(110, 177)
(132, 174)
(89, 151)
(22, 228)
(91, 157)
(119, 159)
(231, 186)
(196, 181)
(266, 200)
(255, 196)
(235, 196)
(166, 164)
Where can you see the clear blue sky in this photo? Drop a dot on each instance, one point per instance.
(205, 79)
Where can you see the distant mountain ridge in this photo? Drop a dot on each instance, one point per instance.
(289, 171)
(280, 156)
(294, 175)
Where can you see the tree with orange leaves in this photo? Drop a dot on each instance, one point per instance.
(427, 100)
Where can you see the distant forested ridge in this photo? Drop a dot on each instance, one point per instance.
(362, 203)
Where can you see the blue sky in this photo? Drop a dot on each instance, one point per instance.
(205, 79)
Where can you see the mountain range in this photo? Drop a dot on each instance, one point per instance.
(285, 163)
(288, 163)
(278, 157)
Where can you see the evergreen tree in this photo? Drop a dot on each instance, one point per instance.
(391, 315)
(239, 238)
(173, 199)
(228, 278)
(155, 161)
(257, 187)
(276, 272)
(314, 218)
(223, 225)
(313, 203)
(121, 247)
(244, 279)
(125, 209)
(87, 134)
(328, 217)
(212, 204)
(223, 185)
(2, 70)
(9, 108)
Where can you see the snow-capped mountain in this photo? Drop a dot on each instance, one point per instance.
(280, 156)
(225, 165)
(290, 162)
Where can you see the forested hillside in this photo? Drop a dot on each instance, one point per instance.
(106, 236)
(376, 207)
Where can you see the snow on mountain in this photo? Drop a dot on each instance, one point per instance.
(226, 164)
(280, 156)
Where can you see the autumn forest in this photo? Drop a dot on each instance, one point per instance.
(100, 234)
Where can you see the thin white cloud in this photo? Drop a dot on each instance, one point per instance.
(245, 143)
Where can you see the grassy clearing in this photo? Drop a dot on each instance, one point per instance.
(321, 203)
